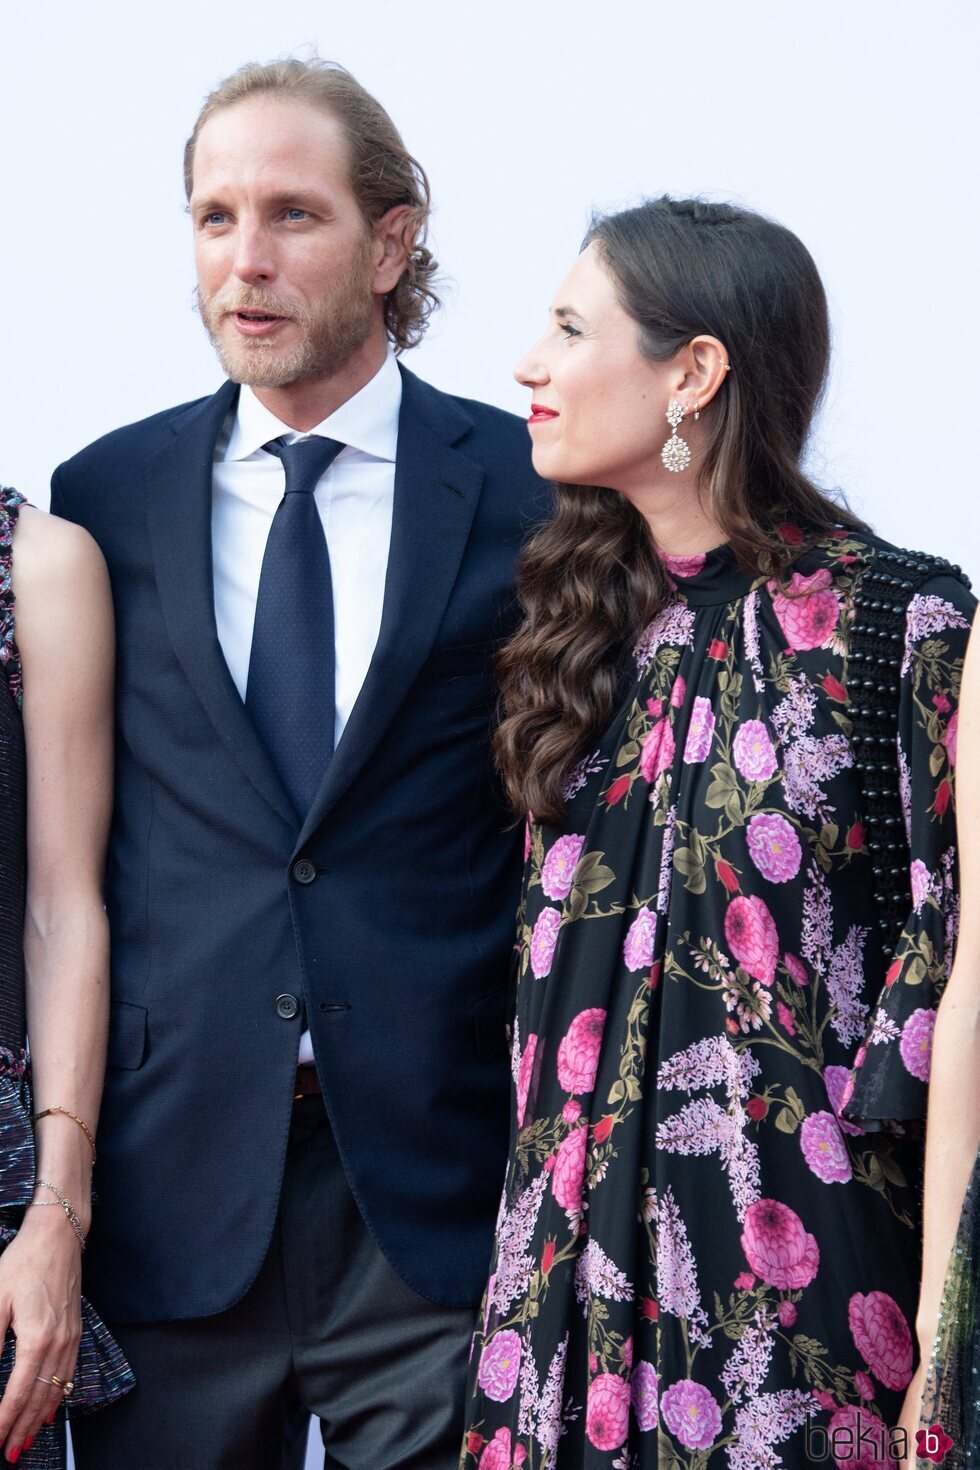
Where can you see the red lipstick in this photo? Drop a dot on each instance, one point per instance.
(542, 415)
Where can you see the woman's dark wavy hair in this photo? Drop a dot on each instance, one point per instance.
(591, 579)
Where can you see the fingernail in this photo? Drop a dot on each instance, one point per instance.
(53, 1417)
(28, 1441)
(14, 1455)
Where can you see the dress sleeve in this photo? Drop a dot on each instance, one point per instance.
(891, 1067)
(10, 504)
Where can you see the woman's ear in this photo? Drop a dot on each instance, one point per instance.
(705, 364)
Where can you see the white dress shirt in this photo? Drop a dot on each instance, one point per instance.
(355, 497)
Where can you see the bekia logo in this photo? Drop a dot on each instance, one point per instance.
(933, 1443)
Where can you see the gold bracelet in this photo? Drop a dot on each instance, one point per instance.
(65, 1204)
(36, 1118)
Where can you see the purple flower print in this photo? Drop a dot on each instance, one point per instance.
(915, 1045)
(882, 1336)
(638, 946)
(824, 1148)
(864, 1385)
(808, 615)
(691, 1413)
(840, 1084)
(700, 732)
(568, 1175)
(500, 1366)
(644, 1396)
(543, 940)
(607, 1412)
(558, 871)
(863, 1436)
(578, 1054)
(777, 1247)
(657, 754)
(752, 938)
(754, 752)
(524, 1074)
(774, 847)
(919, 879)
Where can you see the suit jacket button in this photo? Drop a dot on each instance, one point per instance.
(287, 1006)
(304, 871)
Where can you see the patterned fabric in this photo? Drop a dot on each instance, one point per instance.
(102, 1373)
(705, 1252)
(951, 1400)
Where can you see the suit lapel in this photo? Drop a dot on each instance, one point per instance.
(178, 486)
(437, 489)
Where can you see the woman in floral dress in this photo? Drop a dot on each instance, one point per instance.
(706, 1253)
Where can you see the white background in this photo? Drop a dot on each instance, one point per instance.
(854, 124)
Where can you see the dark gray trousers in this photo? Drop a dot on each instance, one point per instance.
(328, 1328)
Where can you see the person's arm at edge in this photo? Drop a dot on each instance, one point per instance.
(65, 637)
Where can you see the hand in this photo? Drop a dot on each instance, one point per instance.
(911, 1411)
(40, 1301)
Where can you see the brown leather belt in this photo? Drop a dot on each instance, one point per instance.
(307, 1083)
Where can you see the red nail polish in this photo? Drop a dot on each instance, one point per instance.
(28, 1441)
(53, 1417)
(14, 1455)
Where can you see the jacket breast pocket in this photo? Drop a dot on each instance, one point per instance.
(127, 1035)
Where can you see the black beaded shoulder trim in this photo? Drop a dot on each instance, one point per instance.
(877, 640)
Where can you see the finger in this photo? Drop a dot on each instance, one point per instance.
(21, 1387)
(43, 1398)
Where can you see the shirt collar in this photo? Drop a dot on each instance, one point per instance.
(368, 421)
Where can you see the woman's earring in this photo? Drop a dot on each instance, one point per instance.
(676, 453)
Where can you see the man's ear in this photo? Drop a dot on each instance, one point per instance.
(394, 237)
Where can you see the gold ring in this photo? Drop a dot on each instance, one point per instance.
(58, 1382)
(39, 1379)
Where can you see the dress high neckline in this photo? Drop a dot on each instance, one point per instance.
(709, 577)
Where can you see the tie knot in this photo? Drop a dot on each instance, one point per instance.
(304, 461)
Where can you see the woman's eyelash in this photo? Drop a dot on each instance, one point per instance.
(569, 330)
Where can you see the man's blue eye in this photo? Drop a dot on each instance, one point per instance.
(296, 214)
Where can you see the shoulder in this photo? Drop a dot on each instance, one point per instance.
(52, 556)
(120, 445)
(467, 418)
(872, 568)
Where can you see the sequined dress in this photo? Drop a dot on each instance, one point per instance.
(706, 1254)
(102, 1373)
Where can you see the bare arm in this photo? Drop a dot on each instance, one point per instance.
(65, 637)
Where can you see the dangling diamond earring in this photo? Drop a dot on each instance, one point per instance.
(676, 453)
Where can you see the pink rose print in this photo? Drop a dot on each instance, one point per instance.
(524, 1074)
(744, 1281)
(787, 1314)
(915, 1044)
(796, 969)
(572, 1111)
(949, 738)
(607, 1412)
(840, 1084)
(882, 1335)
(824, 1148)
(527, 840)
(858, 1438)
(544, 937)
(697, 747)
(578, 1054)
(678, 692)
(808, 616)
(785, 1018)
(558, 871)
(919, 883)
(657, 754)
(691, 1413)
(824, 1399)
(500, 1366)
(774, 847)
(864, 1385)
(644, 1396)
(777, 1247)
(638, 945)
(568, 1174)
(685, 566)
(752, 938)
(496, 1455)
(754, 752)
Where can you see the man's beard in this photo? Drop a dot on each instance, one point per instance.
(332, 331)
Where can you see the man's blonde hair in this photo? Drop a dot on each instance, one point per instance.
(383, 173)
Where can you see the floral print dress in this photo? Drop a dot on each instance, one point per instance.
(707, 1253)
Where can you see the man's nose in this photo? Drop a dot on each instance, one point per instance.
(254, 257)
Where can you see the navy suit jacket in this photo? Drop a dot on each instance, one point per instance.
(389, 915)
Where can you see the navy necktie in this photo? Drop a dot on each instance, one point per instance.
(290, 693)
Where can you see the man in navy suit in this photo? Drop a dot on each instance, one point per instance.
(312, 879)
